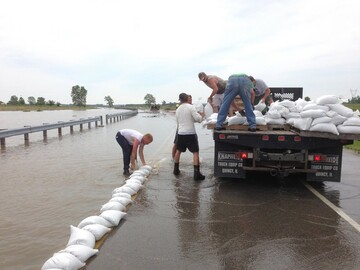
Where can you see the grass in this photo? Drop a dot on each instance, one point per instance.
(353, 106)
(355, 146)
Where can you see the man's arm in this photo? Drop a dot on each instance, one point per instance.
(252, 96)
(266, 94)
(141, 154)
(213, 86)
(133, 153)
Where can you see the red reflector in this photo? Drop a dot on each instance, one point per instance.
(265, 137)
(317, 158)
(281, 138)
(244, 155)
(222, 136)
(297, 139)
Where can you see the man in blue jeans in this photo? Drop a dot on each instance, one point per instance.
(238, 84)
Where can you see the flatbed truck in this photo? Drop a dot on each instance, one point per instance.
(280, 150)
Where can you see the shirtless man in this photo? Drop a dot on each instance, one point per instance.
(218, 88)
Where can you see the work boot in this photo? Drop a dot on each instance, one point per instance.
(197, 173)
(176, 168)
(126, 172)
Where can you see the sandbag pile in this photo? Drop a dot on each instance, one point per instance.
(83, 237)
(325, 114)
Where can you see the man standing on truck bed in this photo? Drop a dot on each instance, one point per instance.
(218, 88)
(262, 92)
(238, 84)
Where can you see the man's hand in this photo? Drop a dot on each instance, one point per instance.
(209, 99)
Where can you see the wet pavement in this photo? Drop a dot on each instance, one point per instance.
(257, 223)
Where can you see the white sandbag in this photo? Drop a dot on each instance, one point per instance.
(292, 115)
(348, 129)
(124, 189)
(287, 103)
(260, 121)
(124, 201)
(138, 178)
(236, 120)
(212, 116)
(314, 106)
(327, 99)
(133, 180)
(94, 220)
(300, 102)
(290, 121)
(258, 113)
(325, 127)
(281, 109)
(208, 110)
(273, 114)
(312, 113)
(331, 113)
(338, 119)
(302, 123)
(352, 121)
(134, 186)
(148, 167)
(97, 230)
(324, 119)
(260, 106)
(274, 121)
(357, 113)
(83, 253)
(63, 260)
(341, 109)
(199, 106)
(121, 194)
(81, 237)
(112, 206)
(113, 216)
(139, 172)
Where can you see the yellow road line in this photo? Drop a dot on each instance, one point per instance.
(340, 212)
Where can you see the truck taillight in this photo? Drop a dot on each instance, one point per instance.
(222, 136)
(265, 137)
(281, 138)
(244, 155)
(317, 158)
(297, 139)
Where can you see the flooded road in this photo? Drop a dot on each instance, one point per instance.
(174, 222)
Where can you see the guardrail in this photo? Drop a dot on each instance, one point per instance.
(26, 130)
(119, 116)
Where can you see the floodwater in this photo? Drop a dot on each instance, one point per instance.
(174, 222)
(48, 186)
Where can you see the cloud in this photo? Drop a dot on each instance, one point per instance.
(129, 49)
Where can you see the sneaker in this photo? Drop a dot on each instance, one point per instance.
(220, 128)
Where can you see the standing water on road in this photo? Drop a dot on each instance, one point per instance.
(46, 187)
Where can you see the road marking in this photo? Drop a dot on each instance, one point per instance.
(340, 212)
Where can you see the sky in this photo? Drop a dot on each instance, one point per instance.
(127, 49)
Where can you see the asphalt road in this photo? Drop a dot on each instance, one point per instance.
(257, 223)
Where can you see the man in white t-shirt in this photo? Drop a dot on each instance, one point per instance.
(130, 141)
(186, 116)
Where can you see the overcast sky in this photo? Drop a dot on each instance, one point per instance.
(126, 49)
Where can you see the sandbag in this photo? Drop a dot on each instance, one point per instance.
(325, 127)
(341, 109)
(113, 216)
(124, 201)
(327, 99)
(81, 237)
(274, 121)
(112, 206)
(97, 230)
(352, 121)
(324, 119)
(302, 123)
(94, 220)
(314, 106)
(236, 120)
(348, 129)
(83, 253)
(312, 113)
(63, 260)
(208, 110)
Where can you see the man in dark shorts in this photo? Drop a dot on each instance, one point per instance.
(186, 116)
